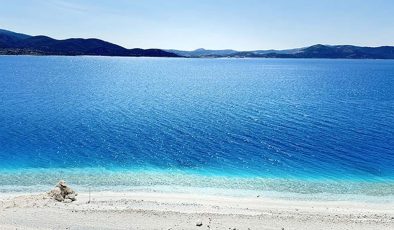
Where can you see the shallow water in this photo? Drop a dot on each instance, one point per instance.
(262, 124)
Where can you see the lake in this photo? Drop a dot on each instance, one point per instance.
(288, 125)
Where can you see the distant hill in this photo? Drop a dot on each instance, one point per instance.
(198, 53)
(316, 51)
(5, 33)
(203, 53)
(12, 43)
(345, 51)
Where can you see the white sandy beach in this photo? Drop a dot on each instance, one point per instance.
(153, 210)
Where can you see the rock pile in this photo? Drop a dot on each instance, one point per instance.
(63, 193)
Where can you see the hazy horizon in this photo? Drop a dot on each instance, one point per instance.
(218, 24)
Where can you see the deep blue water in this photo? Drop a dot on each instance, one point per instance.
(247, 118)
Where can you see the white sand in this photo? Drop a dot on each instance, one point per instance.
(152, 210)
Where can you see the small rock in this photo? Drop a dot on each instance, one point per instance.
(63, 193)
(199, 223)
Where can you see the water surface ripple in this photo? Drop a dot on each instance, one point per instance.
(299, 120)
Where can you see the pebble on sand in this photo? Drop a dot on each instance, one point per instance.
(199, 223)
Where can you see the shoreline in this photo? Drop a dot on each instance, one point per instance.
(14, 191)
(81, 179)
(170, 210)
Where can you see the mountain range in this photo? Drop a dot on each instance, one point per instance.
(12, 43)
(315, 51)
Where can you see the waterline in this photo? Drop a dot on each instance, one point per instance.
(114, 180)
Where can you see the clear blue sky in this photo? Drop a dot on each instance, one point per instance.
(214, 24)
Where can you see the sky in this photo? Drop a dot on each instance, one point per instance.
(210, 24)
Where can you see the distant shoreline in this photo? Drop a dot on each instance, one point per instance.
(12, 43)
(206, 58)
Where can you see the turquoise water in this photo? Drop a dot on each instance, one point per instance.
(297, 126)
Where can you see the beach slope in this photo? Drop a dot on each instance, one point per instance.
(154, 210)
